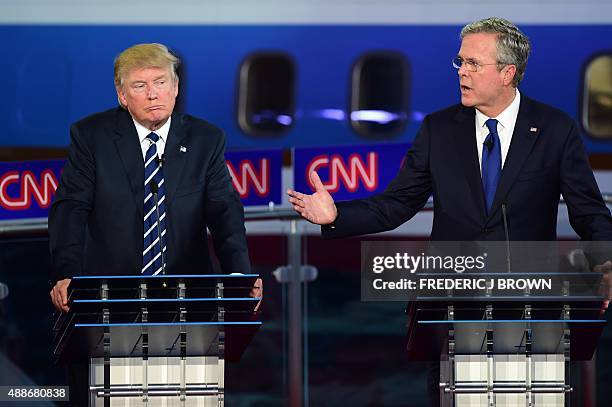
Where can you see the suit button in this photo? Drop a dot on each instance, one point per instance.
(486, 230)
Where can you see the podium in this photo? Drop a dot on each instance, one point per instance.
(157, 340)
(496, 349)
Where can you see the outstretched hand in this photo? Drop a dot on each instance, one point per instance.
(319, 207)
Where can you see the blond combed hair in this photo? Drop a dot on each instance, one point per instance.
(140, 56)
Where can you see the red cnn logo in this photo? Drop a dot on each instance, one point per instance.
(42, 191)
(350, 174)
(247, 177)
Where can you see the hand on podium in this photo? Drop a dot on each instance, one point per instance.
(59, 295)
(257, 292)
(317, 208)
(606, 282)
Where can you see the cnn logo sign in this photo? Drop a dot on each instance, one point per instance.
(19, 189)
(349, 174)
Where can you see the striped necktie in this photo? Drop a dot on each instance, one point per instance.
(491, 163)
(153, 175)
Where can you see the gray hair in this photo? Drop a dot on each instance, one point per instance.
(513, 46)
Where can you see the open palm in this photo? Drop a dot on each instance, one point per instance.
(319, 207)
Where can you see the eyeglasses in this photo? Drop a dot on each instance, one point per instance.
(470, 64)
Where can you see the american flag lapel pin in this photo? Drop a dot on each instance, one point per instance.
(183, 149)
(533, 129)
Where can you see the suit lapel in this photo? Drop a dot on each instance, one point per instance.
(525, 134)
(130, 153)
(175, 154)
(465, 140)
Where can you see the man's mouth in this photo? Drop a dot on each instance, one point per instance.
(157, 107)
(465, 88)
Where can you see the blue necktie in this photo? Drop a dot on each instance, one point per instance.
(152, 249)
(491, 163)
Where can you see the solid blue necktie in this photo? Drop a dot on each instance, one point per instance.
(491, 162)
(153, 243)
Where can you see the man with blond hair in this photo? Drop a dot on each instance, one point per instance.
(123, 161)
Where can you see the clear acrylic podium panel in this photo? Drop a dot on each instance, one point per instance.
(157, 340)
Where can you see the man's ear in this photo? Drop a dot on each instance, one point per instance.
(509, 74)
(121, 96)
(176, 86)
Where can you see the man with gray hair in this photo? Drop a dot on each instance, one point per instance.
(497, 155)
(496, 164)
(141, 186)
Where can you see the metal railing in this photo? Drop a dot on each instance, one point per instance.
(9, 227)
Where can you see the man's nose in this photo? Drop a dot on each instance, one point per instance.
(152, 92)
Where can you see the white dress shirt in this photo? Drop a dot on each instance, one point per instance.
(162, 132)
(505, 127)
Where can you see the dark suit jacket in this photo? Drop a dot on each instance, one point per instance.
(96, 221)
(546, 159)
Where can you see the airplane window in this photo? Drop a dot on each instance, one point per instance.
(597, 101)
(266, 92)
(379, 95)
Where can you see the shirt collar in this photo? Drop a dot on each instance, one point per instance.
(505, 118)
(162, 132)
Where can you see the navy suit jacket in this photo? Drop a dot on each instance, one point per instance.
(96, 221)
(546, 159)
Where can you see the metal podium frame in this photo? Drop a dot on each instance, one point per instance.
(185, 317)
(445, 328)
